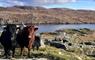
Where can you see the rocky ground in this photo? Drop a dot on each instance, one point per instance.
(82, 40)
(76, 51)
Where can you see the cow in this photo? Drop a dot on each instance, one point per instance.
(36, 43)
(26, 37)
(8, 40)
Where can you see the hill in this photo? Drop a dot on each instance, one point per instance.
(29, 14)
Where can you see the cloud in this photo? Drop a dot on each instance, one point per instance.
(37, 2)
(45, 2)
(11, 3)
(34, 2)
(15, 2)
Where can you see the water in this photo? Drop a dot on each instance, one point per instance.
(53, 27)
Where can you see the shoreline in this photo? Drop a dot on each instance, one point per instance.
(50, 23)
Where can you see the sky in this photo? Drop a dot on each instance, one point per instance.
(73, 4)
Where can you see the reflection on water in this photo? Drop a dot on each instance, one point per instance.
(52, 28)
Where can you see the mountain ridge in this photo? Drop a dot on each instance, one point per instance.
(41, 15)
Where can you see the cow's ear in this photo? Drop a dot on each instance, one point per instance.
(35, 29)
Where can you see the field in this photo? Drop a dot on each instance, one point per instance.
(52, 53)
(82, 41)
(80, 46)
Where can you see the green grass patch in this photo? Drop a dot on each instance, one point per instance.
(53, 53)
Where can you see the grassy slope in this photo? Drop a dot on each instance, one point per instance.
(59, 54)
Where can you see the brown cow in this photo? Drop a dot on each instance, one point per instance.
(26, 37)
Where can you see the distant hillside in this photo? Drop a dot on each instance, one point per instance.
(29, 14)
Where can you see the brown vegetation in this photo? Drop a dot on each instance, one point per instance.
(30, 14)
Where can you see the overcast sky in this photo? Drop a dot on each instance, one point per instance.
(74, 4)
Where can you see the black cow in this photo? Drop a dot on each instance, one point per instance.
(36, 43)
(8, 41)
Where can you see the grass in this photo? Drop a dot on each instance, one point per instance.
(53, 53)
(58, 54)
(78, 31)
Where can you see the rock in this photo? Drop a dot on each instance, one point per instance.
(42, 43)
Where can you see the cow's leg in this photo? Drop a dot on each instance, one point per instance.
(4, 51)
(33, 47)
(7, 51)
(13, 52)
(21, 53)
(6, 54)
(37, 47)
(29, 52)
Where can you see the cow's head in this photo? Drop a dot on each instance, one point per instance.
(10, 27)
(32, 29)
(13, 28)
